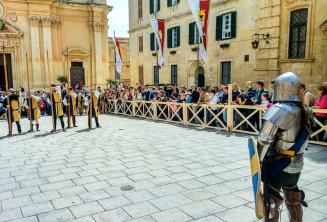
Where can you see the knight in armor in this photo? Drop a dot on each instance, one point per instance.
(12, 107)
(93, 109)
(281, 145)
(71, 111)
(57, 109)
(32, 105)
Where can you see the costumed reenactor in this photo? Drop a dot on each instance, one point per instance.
(281, 145)
(80, 102)
(93, 109)
(57, 109)
(32, 106)
(101, 101)
(71, 110)
(12, 109)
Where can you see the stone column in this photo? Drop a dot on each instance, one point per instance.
(98, 54)
(35, 49)
(47, 45)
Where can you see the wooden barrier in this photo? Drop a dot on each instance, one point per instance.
(231, 118)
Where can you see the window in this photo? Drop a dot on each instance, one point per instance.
(155, 75)
(153, 42)
(140, 9)
(172, 2)
(193, 34)
(298, 34)
(140, 44)
(173, 37)
(141, 75)
(154, 6)
(226, 26)
(173, 75)
(226, 73)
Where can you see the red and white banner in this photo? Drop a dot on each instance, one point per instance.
(158, 26)
(200, 11)
(119, 62)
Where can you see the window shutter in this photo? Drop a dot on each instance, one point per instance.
(152, 42)
(178, 30)
(191, 33)
(219, 27)
(158, 5)
(169, 38)
(234, 27)
(169, 3)
(151, 6)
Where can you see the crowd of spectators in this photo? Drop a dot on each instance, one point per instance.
(256, 94)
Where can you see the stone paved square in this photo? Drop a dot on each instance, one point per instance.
(177, 174)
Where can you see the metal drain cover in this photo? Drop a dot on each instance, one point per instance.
(127, 188)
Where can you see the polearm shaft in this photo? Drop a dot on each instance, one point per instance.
(91, 96)
(68, 96)
(30, 95)
(7, 89)
(51, 100)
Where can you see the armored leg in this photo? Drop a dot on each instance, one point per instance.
(74, 121)
(293, 199)
(275, 203)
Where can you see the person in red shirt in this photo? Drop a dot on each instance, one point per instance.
(321, 103)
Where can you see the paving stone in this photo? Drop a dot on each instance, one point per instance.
(55, 216)
(84, 219)
(11, 214)
(26, 219)
(70, 191)
(116, 215)
(94, 195)
(49, 195)
(114, 202)
(6, 195)
(86, 209)
(170, 201)
(139, 196)
(143, 219)
(140, 209)
(36, 209)
(208, 219)
(241, 213)
(202, 208)
(26, 191)
(85, 180)
(55, 186)
(16, 202)
(96, 186)
(172, 215)
(66, 202)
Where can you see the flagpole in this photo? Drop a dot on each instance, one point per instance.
(198, 55)
(30, 95)
(91, 96)
(50, 93)
(115, 55)
(157, 56)
(7, 89)
(69, 85)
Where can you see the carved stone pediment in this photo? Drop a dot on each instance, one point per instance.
(323, 26)
(8, 29)
(297, 3)
(76, 52)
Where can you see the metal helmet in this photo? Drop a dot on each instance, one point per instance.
(287, 88)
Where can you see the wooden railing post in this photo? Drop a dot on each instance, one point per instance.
(116, 107)
(230, 112)
(155, 110)
(134, 108)
(184, 113)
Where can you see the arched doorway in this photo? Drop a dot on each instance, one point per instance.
(200, 77)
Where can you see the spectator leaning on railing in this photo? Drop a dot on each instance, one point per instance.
(321, 103)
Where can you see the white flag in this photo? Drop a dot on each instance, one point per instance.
(155, 26)
(119, 62)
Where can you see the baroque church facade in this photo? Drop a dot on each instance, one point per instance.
(52, 38)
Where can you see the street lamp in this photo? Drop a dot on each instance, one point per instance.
(256, 39)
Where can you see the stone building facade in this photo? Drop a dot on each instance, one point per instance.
(54, 38)
(296, 42)
(124, 49)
